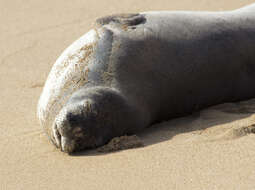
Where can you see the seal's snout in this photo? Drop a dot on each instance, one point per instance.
(67, 144)
(68, 131)
(61, 134)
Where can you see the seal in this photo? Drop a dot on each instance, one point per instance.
(133, 70)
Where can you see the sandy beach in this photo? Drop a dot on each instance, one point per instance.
(213, 149)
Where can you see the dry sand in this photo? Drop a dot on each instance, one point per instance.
(213, 149)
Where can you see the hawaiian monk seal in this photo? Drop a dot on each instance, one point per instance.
(133, 70)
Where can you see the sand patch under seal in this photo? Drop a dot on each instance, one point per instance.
(121, 143)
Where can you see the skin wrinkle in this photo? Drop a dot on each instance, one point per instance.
(105, 74)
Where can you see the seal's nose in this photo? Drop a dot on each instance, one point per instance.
(67, 145)
(61, 140)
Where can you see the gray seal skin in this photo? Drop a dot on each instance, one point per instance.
(133, 70)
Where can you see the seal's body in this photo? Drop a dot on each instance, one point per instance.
(136, 69)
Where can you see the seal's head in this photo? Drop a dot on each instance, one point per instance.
(92, 117)
(76, 128)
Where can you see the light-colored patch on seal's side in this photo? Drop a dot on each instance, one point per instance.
(69, 73)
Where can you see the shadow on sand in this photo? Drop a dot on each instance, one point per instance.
(199, 121)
